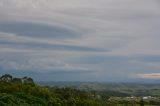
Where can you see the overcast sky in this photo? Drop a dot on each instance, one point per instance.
(80, 40)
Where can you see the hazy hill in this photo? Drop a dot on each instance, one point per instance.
(138, 89)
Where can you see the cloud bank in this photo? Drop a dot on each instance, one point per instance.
(90, 40)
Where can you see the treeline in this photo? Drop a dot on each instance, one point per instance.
(24, 92)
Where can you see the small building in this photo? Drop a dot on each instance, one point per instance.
(147, 97)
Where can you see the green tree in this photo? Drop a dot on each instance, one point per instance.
(27, 80)
(17, 80)
(6, 78)
(141, 102)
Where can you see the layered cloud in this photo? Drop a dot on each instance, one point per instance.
(150, 76)
(105, 40)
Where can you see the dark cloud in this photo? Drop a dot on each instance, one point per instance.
(37, 30)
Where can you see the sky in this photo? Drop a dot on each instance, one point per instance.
(80, 40)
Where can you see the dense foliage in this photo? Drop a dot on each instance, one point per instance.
(24, 92)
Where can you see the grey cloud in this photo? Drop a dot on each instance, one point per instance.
(96, 59)
(44, 46)
(43, 65)
(106, 36)
(148, 58)
(37, 30)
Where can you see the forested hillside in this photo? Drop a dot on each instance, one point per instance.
(24, 92)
